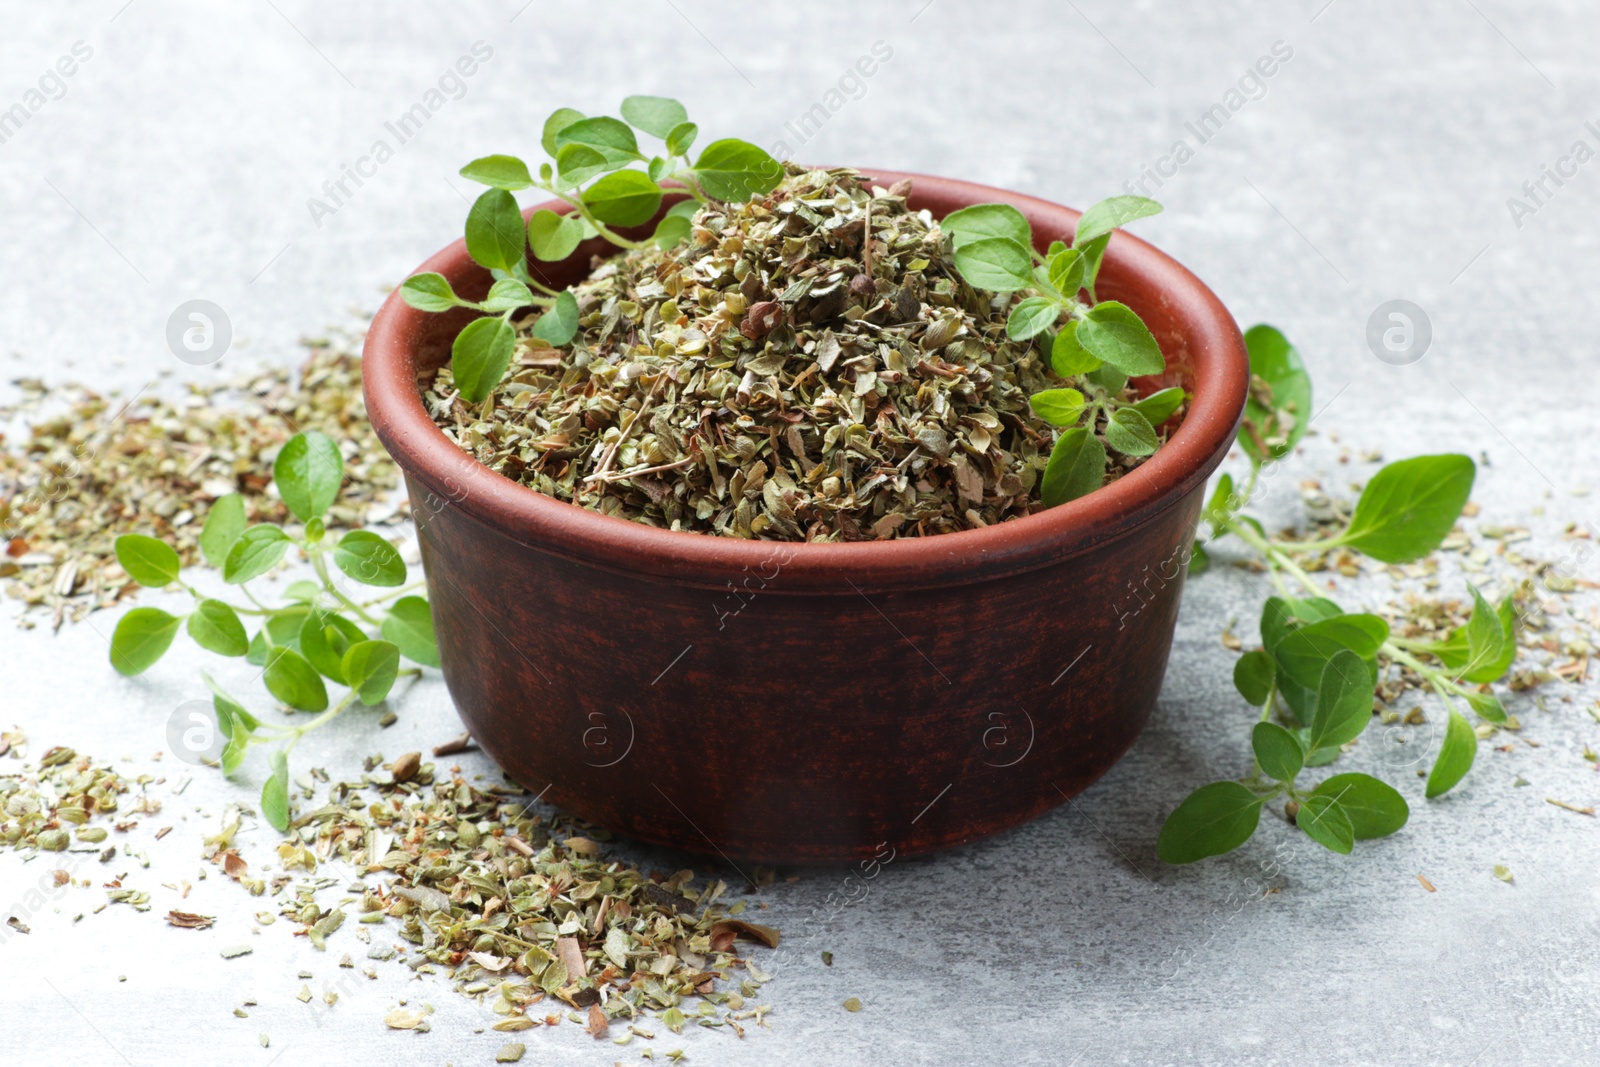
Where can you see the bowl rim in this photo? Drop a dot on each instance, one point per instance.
(456, 480)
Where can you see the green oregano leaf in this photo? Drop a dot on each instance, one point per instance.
(307, 473)
(1066, 269)
(1077, 467)
(215, 627)
(681, 138)
(275, 793)
(997, 264)
(501, 172)
(224, 523)
(370, 668)
(291, 678)
(1456, 753)
(409, 626)
(1409, 506)
(325, 636)
(1325, 822)
(624, 198)
(1032, 317)
(494, 230)
(1130, 433)
(1253, 676)
(141, 638)
(655, 115)
(255, 553)
(577, 163)
(429, 292)
(1373, 807)
(480, 355)
(369, 559)
(1113, 333)
(733, 171)
(559, 120)
(559, 325)
(149, 562)
(605, 134)
(1068, 358)
(1058, 407)
(1277, 751)
(1159, 406)
(1214, 819)
(982, 222)
(1109, 214)
(1344, 702)
(554, 237)
(1279, 406)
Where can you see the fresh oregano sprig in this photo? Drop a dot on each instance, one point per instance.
(592, 168)
(1097, 344)
(1319, 665)
(318, 635)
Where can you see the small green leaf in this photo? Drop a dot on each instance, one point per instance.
(1277, 751)
(559, 325)
(554, 237)
(1068, 358)
(982, 222)
(1326, 823)
(1094, 254)
(624, 198)
(480, 356)
(1253, 676)
(149, 562)
(681, 138)
(275, 793)
(369, 559)
(284, 626)
(672, 231)
(611, 137)
(1199, 559)
(1344, 701)
(1455, 757)
(655, 115)
(507, 294)
(1488, 643)
(1065, 270)
(1373, 807)
(1114, 334)
(324, 638)
(1058, 407)
(1130, 433)
(1077, 467)
(1454, 651)
(142, 636)
(1108, 378)
(370, 668)
(1487, 706)
(1032, 317)
(224, 523)
(429, 292)
(255, 553)
(1109, 214)
(501, 172)
(291, 678)
(997, 264)
(734, 171)
(1159, 406)
(1303, 652)
(1279, 405)
(1409, 506)
(308, 472)
(559, 119)
(215, 627)
(577, 163)
(494, 230)
(409, 625)
(1214, 819)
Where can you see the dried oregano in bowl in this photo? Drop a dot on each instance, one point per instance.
(793, 357)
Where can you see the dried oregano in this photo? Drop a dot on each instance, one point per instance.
(795, 354)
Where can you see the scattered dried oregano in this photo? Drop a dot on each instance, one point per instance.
(56, 804)
(93, 467)
(778, 375)
(522, 910)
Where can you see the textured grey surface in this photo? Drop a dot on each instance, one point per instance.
(1375, 164)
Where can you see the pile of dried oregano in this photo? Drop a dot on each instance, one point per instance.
(779, 376)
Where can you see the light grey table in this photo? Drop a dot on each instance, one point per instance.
(1377, 162)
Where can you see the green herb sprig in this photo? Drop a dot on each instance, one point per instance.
(1319, 665)
(318, 635)
(1097, 344)
(592, 168)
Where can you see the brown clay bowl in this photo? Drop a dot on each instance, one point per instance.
(811, 703)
